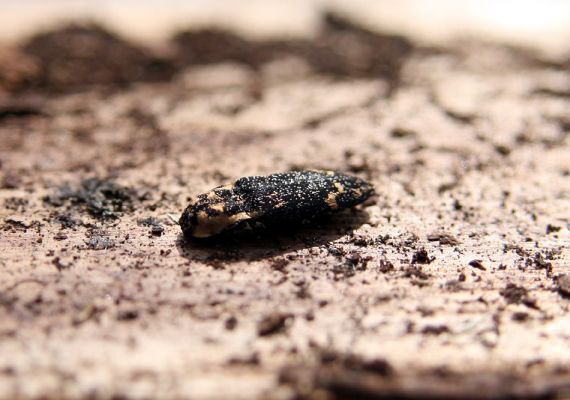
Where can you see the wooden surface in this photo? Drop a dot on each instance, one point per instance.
(448, 283)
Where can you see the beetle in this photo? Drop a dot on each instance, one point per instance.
(280, 199)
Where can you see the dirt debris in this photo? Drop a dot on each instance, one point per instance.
(273, 323)
(563, 283)
(103, 199)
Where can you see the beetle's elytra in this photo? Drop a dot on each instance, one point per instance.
(279, 199)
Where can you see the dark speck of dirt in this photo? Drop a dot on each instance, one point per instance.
(477, 264)
(564, 285)
(156, 229)
(61, 264)
(540, 262)
(435, 329)
(552, 229)
(16, 204)
(502, 150)
(127, 314)
(514, 294)
(520, 316)
(66, 220)
(252, 359)
(421, 256)
(357, 262)
(385, 266)
(273, 323)
(411, 271)
(231, 323)
(60, 236)
(354, 363)
(443, 238)
(103, 199)
(400, 132)
(280, 264)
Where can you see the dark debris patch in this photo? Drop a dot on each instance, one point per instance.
(21, 107)
(66, 220)
(515, 294)
(443, 238)
(352, 362)
(156, 228)
(16, 204)
(414, 271)
(552, 229)
(435, 329)
(273, 323)
(421, 256)
(477, 264)
(62, 263)
(127, 314)
(342, 382)
(103, 199)
(79, 56)
(340, 49)
(563, 285)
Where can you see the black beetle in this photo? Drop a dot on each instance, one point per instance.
(278, 199)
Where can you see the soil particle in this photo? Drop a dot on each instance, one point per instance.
(477, 264)
(357, 262)
(127, 314)
(540, 262)
(414, 271)
(60, 236)
(280, 264)
(103, 199)
(520, 316)
(66, 220)
(552, 229)
(563, 283)
(156, 228)
(231, 323)
(61, 264)
(16, 204)
(385, 266)
(435, 329)
(515, 294)
(443, 238)
(421, 256)
(273, 324)
(252, 360)
(18, 222)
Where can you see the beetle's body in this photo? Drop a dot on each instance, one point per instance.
(277, 199)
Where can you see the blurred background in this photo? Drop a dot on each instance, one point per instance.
(542, 26)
